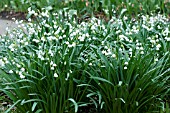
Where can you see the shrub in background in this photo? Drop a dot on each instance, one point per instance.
(88, 8)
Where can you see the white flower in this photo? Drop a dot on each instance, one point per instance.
(31, 11)
(54, 65)
(18, 65)
(51, 38)
(10, 71)
(93, 27)
(52, 68)
(142, 52)
(26, 43)
(22, 69)
(68, 74)
(51, 63)
(65, 63)
(58, 30)
(137, 47)
(126, 63)
(130, 49)
(64, 36)
(158, 46)
(67, 42)
(36, 40)
(60, 37)
(159, 27)
(55, 75)
(105, 47)
(2, 63)
(102, 42)
(122, 37)
(104, 52)
(156, 59)
(90, 64)
(71, 71)
(73, 44)
(120, 49)
(113, 55)
(125, 18)
(51, 53)
(5, 58)
(81, 38)
(94, 38)
(157, 40)
(120, 83)
(146, 27)
(153, 41)
(29, 20)
(31, 30)
(137, 44)
(45, 14)
(156, 36)
(167, 38)
(141, 48)
(11, 47)
(40, 54)
(87, 35)
(21, 75)
(125, 67)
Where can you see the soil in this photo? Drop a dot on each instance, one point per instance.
(9, 15)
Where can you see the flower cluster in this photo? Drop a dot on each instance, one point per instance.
(60, 39)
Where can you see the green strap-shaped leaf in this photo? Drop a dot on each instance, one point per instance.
(75, 104)
(34, 105)
(8, 110)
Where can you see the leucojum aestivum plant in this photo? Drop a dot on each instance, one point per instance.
(57, 65)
